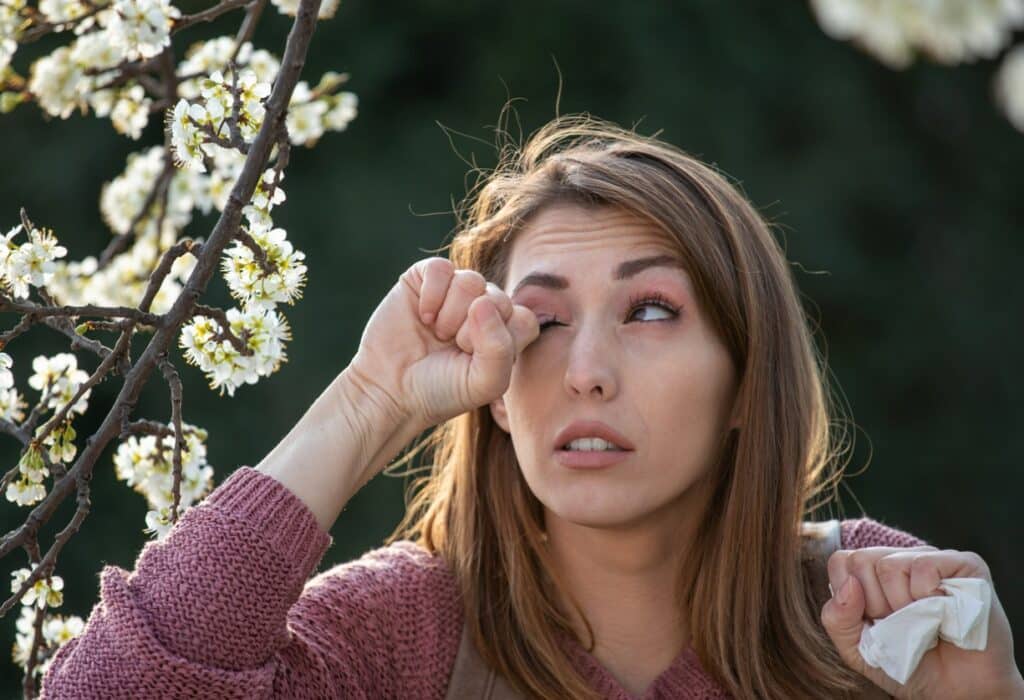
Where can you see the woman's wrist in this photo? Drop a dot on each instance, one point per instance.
(346, 436)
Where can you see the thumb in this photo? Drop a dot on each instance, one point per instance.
(843, 618)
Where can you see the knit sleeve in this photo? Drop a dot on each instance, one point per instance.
(866, 532)
(209, 611)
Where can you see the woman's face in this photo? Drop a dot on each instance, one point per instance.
(630, 350)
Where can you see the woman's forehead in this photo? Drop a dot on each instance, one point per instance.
(566, 230)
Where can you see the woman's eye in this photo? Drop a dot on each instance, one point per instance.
(544, 325)
(670, 313)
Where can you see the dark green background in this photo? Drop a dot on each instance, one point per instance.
(896, 194)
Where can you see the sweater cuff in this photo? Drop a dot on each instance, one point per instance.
(279, 516)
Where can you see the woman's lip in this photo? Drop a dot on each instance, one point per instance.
(590, 459)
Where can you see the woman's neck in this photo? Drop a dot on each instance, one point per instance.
(625, 581)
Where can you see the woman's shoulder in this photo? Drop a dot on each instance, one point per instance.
(857, 533)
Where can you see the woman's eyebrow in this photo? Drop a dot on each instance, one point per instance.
(624, 271)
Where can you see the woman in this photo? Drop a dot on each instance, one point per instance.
(631, 428)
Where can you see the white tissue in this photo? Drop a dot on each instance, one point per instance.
(896, 643)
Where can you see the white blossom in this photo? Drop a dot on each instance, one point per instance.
(949, 31)
(187, 137)
(59, 12)
(343, 108)
(12, 405)
(6, 376)
(28, 488)
(146, 465)
(10, 24)
(43, 593)
(57, 631)
(54, 82)
(226, 368)
(246, 279)
(291, 7)
(1009, 86)
(141, 28)
(305, 116)
(31, 263)
(131, 111)
(59, 379)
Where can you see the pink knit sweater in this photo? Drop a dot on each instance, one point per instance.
(224, 607)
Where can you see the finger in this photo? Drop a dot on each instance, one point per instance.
(501, 301)
(437, 275)
(861, 563)
(928, 570)
(465, 287)
(494, 351)
(893, 574)
(843, 619)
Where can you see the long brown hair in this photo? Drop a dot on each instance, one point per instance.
(752, 623)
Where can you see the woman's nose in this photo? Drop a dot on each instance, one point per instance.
(590, 368)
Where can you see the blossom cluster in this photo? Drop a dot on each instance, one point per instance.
(77, 75)
(30, 263)
(57, 629)
(948, 31)
(58, 379)
(11, 21)
(146, 465)
(231, 107)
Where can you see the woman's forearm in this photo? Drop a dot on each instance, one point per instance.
(348, 435)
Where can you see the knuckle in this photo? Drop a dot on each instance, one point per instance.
(888, 567)
(470, 281)
(920, 565)
(439, 266)
(860, 560)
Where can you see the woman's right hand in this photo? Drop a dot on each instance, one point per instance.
(442, 342)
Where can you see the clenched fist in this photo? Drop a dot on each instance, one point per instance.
(442, 342)
(874, 582)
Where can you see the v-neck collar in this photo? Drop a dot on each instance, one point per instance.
(684, 677)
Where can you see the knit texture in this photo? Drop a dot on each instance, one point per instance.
(224, 607)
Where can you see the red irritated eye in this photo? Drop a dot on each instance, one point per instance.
(640, 301)
(656, 299)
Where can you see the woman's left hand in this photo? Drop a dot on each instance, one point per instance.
(882, 580)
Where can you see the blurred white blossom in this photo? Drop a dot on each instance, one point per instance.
(59, 12)
(43, 593)
(291, 7)
(1009, 86)
(949, 31)
(146, 465)
(57, 631)
(140, 28)
(28, 489)
(59, 378)
(10, 25)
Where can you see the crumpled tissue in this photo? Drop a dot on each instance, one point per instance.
(897, 642)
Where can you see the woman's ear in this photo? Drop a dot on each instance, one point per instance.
(500, 414)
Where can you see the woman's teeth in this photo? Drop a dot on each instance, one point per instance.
(591, 444)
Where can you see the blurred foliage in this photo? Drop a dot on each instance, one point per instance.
(897, 196)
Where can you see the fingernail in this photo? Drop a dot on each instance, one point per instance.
(844, 591)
